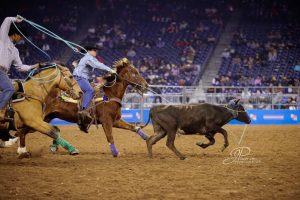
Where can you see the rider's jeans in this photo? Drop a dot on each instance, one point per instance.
(6, 88)
(88, 91)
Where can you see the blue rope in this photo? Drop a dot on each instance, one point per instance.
(70, 44)
(42, 79)
(48, 56)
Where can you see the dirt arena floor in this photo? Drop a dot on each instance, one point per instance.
(270, 171)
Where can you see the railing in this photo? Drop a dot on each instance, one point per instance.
(251, 97)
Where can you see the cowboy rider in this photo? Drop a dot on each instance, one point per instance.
(83, 73)
(9, 55)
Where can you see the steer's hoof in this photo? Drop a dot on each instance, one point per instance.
(24, 155)
(74, 152)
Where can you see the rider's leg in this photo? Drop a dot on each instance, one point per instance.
(87, 98)
(8, 90)
(88, 92)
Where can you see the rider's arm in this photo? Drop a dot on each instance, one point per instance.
(96, 64)
(5, 28)
(20, 66)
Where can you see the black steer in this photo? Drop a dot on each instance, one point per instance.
(205, 119)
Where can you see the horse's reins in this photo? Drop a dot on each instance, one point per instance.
(113, 98)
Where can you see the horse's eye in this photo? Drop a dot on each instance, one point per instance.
(70, 76)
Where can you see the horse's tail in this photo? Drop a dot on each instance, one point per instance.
(149, 117)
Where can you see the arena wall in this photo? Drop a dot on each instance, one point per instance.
(270, 117)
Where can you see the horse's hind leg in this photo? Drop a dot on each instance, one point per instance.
(210, 137)
(107, 127)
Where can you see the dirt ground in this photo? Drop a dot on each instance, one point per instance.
(270, 171)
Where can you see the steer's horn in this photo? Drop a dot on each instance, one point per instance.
(236, 101)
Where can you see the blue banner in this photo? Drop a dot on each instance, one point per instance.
(257, 116)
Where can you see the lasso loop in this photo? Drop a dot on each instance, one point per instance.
(70, 44)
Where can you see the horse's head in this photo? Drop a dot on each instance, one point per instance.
(128, 73)
(241, 114)
(68, 84)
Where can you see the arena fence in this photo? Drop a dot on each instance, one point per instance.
(267, 98)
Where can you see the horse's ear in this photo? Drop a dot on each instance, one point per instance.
(125, 61)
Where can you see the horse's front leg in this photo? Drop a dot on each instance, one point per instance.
(107, 127)
(127, 126)
(22, 151)
(53, 132)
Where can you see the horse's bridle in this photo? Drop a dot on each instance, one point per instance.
(134, 84)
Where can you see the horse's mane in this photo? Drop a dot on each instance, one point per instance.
(123, 62)
(118, 65)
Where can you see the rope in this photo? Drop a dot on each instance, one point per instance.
(70, 44)
(114, 82)
(238, 111)
(159, 95)
(245, 127)
(47, 55)
(42, 79)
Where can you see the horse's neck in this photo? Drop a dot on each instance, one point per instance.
(39, 90)
(116, 91)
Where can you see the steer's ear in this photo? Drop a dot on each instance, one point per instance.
(236, 101)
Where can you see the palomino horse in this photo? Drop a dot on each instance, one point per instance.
(107, 113)
(29, 113)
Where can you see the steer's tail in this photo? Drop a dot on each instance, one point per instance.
(149, 117)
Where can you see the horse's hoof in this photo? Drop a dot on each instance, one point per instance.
(116, 155)
(24, 155)
(74, 152)
(53, 148)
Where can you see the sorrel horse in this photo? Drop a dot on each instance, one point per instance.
(107, 113)
(29, 113)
